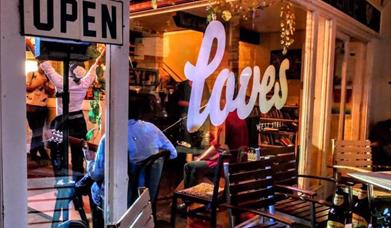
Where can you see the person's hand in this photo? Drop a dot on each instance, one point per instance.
(98, 60)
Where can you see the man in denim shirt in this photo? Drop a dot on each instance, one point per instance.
(144, 140)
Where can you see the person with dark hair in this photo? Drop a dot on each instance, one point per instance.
(144, 140)
(80, 81)
(38, 89)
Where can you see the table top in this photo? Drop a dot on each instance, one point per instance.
(192, 150)
(379, 179)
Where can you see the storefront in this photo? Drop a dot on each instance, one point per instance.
(329, 78)
(325, 94)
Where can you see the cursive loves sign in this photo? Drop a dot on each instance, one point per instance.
(199, 72)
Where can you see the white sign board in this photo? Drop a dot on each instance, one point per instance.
(205, 67)
(82, 20)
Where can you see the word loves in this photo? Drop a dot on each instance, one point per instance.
(82, 20)
(199, 72)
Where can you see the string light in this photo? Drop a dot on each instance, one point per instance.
(244, 9)
(288, 25)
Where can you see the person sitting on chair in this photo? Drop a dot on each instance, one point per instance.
(144, 140)
(236, 136)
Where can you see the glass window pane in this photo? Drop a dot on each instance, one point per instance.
(159, 51)
(52, 172)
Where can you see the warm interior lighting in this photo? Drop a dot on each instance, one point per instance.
(30, 66)
(245, 9)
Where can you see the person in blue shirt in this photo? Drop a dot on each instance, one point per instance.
(144, 140)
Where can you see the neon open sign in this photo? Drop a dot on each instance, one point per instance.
(204, 68)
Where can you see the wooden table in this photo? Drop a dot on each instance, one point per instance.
(378, 179)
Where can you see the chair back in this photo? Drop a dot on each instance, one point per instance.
(352, 153)
(138, 215)
(217, 175)
(151, 168)
(284, 164)
(249, 184)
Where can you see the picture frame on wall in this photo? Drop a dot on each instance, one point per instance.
(294, 57)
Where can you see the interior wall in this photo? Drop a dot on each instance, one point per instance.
(259, 55)
(176, 52)
(380, 100)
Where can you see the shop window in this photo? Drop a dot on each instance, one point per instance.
(158, 52)
(52, 172)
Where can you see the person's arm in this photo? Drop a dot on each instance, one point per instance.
(90, 77)
(34, 81)
(53, 76)
(211, 151)
(215, 143)
(96, 168)
(165, 144)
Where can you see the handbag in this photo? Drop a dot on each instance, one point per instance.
(83, 186)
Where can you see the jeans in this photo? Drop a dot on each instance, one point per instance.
(147, 178)
(77, 129)
(194, 170)
(36, 117)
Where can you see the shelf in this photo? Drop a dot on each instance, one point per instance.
(290, 106)
(271, 146)
(278, 119)
(279, 132)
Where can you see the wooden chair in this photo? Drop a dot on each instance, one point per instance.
(350, 155)
(249, 189)
(203, 193)
(354, 156)
(299, 204)
(147, 167)
(138, 215)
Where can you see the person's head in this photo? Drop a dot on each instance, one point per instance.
(77, 71)
(134, 106)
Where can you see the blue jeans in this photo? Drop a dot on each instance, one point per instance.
(148, 178)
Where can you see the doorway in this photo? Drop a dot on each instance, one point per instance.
(346, 122)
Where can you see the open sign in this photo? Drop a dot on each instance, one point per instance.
(81, 20)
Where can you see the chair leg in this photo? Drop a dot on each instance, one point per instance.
(78, 203)
(213, 218)
(313, 215)
(173, 210)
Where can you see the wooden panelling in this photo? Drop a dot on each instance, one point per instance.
(353, 156)
(256, 184)
(247, 166)
(257, 203)
(255, 174)
(139, 215)
(355, 143)
(252, 195)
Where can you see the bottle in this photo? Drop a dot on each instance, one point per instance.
(338, 211)
(360, 210)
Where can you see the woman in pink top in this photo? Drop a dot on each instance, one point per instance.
(79, 82)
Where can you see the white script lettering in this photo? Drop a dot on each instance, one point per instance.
(199, 72)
